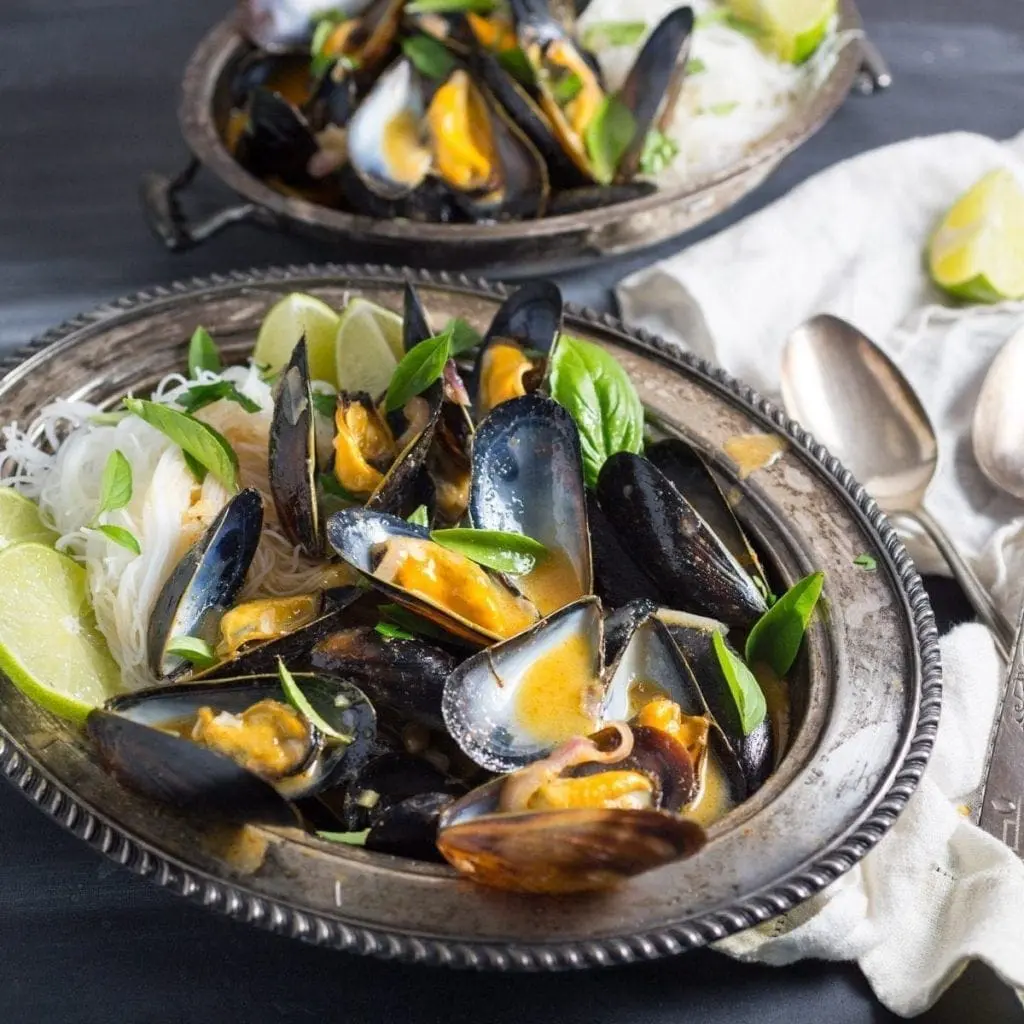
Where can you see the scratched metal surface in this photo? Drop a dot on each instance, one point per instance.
(87, 93)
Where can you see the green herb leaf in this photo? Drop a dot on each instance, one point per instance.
(203, 353)
(208, 448)
(776, 637)
(119, 535)
(197, 469)
(299, 701)
(107, 419)
(658, 153)
(464, 337)
(512, 553)
(325, 403)
(865, 562)
(517, 64)
(598, 393)
(412, 622)
(607, 137)
(419, 368)
(602, 34)
(451, 6)
(743, 686)
(721, 109)
(421, 517)
(332, 485)
(116, 483)
(195, 651)
(392, 632)
(429, 57)
(769, 597)
(200, 395)
(321, 60)
(566, 88)
(348, 838)
(694, 66)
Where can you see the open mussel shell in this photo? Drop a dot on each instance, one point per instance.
(341, 704)
(689, 564)
(181, 774)
(594, 197)
(618, 580)
(409, 827)
(692, 477)
(281, 26)
(621, 623)
(204, 584)
(277, 140)
(407, 676)
(489, 700)
(361, 536)
(293, 456)
(528, 478)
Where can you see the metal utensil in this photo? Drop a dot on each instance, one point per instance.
(851, 396)
(999, 419)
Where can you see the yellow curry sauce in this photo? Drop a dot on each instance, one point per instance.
(552, 583)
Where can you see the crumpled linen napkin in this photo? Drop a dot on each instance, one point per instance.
(937, 892)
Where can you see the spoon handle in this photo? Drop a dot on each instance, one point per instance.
(1002, 631)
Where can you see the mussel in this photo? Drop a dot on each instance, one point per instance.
(204, 584)
(408, 828)
(277, 140)
(279, 26)
(618, 579)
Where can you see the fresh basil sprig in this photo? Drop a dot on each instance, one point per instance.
(205, 445)
(607, 137)
(567, 88)
(119, 535)
(420, 517)
(866, 562)
(602, 34)
(300, 702)
(601, 398)
(194, 650)
(201, 395)
(392, 632)
(517, 64)
(776, 637)
(511, 553)
(411, 622)
(745, 690)
(420, 367)
(203, 353)
(658, 153)
(429, 57)
(116, 483)
(464, 337)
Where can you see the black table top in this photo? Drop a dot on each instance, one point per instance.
(88, 90)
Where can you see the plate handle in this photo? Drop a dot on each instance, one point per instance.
(161, 204)
(874, 75)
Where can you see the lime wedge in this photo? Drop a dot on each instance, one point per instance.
(791, 29)
(977, 252)
(291, 318)
(50, 645)
(368, 347)
(20, 520)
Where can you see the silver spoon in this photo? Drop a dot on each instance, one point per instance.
(850, 395)
(999, 419)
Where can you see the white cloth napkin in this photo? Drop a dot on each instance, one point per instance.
(937, 892)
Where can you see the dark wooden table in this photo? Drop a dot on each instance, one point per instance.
(87, 98)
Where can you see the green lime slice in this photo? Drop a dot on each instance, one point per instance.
(368, 347)
(20, 521)
(50, 645)
(791, 29)
(977, 252)
(285, 324)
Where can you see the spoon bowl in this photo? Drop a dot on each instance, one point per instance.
(998, 425)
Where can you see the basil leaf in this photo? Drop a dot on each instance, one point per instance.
(597, 391)
(298, 700)
(658, 153)
(197, 469)
(203, 353)
(429, 57)
(116, 483)
(348, 838)
(776, 637)
(332, 485)
(325, 403)
(743, 686)
(392, 632)
(865, 562)
(512, 553)
(195, 651)
(607, 136)
(694, 66)
(721, 109)
(421, 517)
(412, 622)
(464, 337)
(566, 89)
(601, 34)
(321, 60)
(200, 395)
(517, 64)
(450, 6)
(419, 368)
(119, 535)
(208, 448)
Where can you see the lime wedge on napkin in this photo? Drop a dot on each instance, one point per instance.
(791, 29)
(368, 347)
(977, 252)
(50, 645)
(20, 520)
(295, 316)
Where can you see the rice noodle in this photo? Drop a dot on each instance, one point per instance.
(58, 461)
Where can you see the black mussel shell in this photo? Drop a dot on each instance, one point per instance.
(621, 623)
(415, 322)
(595, 197)
(205, 583)
(277, 141)
(407, 676)
(673, 544)
(334, 100)
(293, 457)
(409, 827)
(618, 580)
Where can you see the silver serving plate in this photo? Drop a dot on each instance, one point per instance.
(509, 248)
(866, 697)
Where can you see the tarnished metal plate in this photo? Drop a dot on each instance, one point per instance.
(866, 696)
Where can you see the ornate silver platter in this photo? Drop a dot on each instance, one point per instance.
(866, 698)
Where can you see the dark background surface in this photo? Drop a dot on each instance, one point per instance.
(87, 98)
